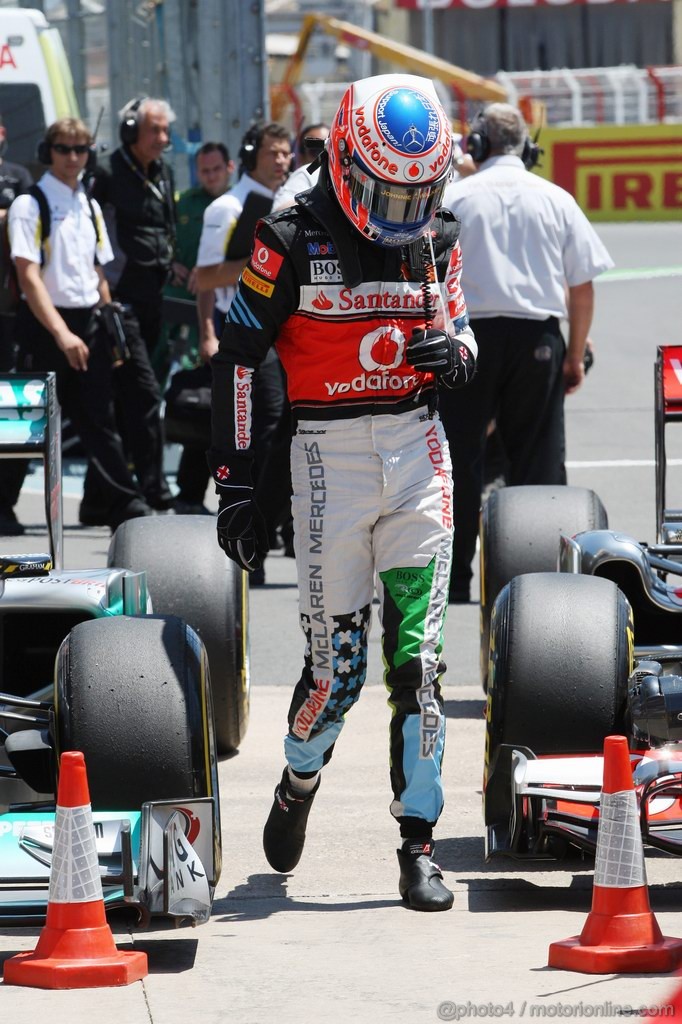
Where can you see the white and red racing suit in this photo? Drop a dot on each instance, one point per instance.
(372, 491)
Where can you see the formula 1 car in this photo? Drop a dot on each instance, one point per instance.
(573, 656)
(115, 662)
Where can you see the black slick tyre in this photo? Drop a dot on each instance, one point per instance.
(520, 531)
(132, 694)
(189, 576)
(561, 655)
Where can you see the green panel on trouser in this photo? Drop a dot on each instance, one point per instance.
(410, 591)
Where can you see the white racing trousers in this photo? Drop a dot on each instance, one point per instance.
(372, 510)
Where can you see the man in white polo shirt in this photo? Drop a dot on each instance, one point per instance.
(62, 284)
(529, 256)
(265, 161)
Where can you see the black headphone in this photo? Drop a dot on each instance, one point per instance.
(129, 129)
(250, 144)
(478, 147)
(531, 152)
(44, 155)
(44, 152)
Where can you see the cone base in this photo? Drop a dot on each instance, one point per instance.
(657, 958)
(52, 972)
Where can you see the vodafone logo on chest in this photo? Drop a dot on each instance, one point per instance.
(382, 349)
(266, 262)
(380, 354)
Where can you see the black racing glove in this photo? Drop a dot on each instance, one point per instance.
(463, 365)
(430, 350)
(453, 363)
(242, 533)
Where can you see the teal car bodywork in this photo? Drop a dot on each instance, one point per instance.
(161, 858)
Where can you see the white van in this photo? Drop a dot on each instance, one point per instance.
(36, 86)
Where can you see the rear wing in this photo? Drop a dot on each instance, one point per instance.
(30, 428)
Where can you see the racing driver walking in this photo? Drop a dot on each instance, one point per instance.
(357, 286)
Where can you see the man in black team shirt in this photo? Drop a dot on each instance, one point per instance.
(138, 188)
(14, 180)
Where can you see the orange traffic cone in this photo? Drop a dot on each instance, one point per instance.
(76, 948)
(621, 934)
(671, 1009)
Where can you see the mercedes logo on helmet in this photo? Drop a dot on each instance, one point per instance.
(413, 139)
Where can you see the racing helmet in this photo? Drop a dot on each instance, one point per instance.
(390, 157)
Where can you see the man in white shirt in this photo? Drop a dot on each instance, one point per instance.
(265, 157)
(530, 256)
(62, 284)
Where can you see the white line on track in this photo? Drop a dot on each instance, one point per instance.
(618, 463)
(638, 274)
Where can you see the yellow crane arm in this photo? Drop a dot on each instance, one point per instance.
(415, 61)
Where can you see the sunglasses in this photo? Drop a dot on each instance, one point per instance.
(79, 149)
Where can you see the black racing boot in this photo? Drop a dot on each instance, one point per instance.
(284, 832)
(421, 880)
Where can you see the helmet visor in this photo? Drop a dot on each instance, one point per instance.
(395, 204)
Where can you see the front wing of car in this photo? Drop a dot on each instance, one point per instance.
(539, 807)
(161, 860)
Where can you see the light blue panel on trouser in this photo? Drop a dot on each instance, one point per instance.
(423, 795)
(308, 755)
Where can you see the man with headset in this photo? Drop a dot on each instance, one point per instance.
(139, 189)
(530, 256)
(265, 162)
(59, 244)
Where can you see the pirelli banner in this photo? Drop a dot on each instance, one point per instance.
(618, 172)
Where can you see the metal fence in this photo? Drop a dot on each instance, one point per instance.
(576, 97)
(588, 96)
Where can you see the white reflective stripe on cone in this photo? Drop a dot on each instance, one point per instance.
(74, 874)
(619, 861)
